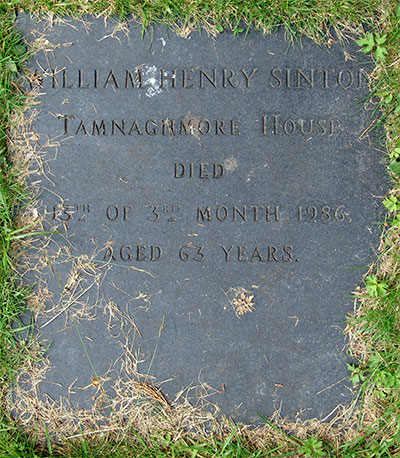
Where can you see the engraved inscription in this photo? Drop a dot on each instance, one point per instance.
(170, 212)
(194, 173)
(133, 253)
(166, 127)
(238, 213)
(270, 253)
(277, 125)
(206, 79)
(202, 170)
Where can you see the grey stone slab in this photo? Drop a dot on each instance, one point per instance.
(291, 215)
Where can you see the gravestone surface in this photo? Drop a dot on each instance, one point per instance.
(227, 189)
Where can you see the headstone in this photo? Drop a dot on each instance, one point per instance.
(218, 196)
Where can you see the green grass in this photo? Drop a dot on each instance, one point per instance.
(310, 16)
(12, 197)
(376, 325)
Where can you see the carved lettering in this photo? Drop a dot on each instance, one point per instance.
(221, 213)
(125, 253)
(345, 79)
(302, 76)
(204, 126)
(111, 79)
(227, 251)
(323, 78)
(276, 74)
(168, 76)
(204, 215)
(133, 81)
(313, 213)
(135, 129)
(97, 127)
(187, 75)
(209, 79)
(257, 254)
(114, 213)
(248, 76)
(138, 253)
(109, 254)
(227, 75)
(242, 253)
(80, 81)
(167, 127)
(241, 213)
(236, 213)
(66, 119)
(269, 212)
(191, 252)
(64, 80)
(363, 78)
(120, 127)
(275, 125)
(151, 127)
(203, 170)
(81, 128)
